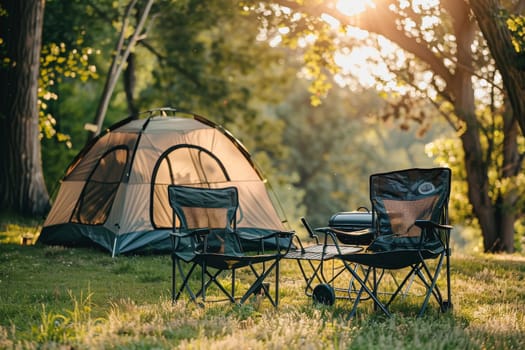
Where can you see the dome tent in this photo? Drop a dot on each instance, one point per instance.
(114, 194)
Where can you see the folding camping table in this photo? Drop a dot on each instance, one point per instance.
(326, 278)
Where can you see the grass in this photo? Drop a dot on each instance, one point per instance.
(65, 298)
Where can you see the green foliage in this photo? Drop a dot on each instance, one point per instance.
(213, 65)
(68, 327)
(317, 59)
(68, 58)
(57, 63)
(335, 147)
(310, 36)
(428, 70)
(65, 57)
(516, 25)
(448, 152)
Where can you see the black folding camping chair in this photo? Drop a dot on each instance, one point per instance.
(410, 217)
(205, 235)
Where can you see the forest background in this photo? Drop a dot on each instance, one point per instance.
(322, 93)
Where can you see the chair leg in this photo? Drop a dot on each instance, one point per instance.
(173, 277)
(212, 278)
(433, 284)
(409, 285)
(233, 284)
(358, 296)
(259, 284)
(414, 270)
(309, 280)
(376, 285)
(315, 275)
(277, 271)
(203, 286)
(351, 285)
(435, 291)
(449, 291)
(175, 294)
(365, 288)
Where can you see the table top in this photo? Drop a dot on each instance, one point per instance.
(315, 252)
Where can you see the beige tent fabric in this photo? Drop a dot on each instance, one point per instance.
(150, 154)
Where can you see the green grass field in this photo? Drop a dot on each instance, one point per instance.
(65, 298)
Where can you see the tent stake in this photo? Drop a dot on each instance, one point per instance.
(114, 247)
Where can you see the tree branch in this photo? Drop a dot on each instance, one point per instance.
(386, 27)
(118, 62)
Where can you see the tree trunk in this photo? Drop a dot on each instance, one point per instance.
(499, 42)
(511, 167)
(478, 185)
(22, 187)
(462, 90)
(129, 85)
(121, 56)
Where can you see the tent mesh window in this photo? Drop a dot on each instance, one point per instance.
(101, 188)
(187, 165)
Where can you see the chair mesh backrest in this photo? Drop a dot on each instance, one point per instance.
(204, 207)
(211, 208)
(400, 197)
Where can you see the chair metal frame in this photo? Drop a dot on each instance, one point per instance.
(225, 198)
(414, 258)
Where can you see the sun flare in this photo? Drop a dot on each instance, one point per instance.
(353, 7)
(365, 63)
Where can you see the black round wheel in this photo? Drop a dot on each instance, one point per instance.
(324, 294)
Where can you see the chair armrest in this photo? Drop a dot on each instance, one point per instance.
(286, 234)
(277, 235)
(429, 227)
(328, 231)
(255, 237)
(361, 237)
(357, 233)
(300, 245)
(311, 232)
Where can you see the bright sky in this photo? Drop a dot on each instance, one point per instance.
(363, 62)
(362, 65)
(358, 62)
(366, 63)
(353, 7)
